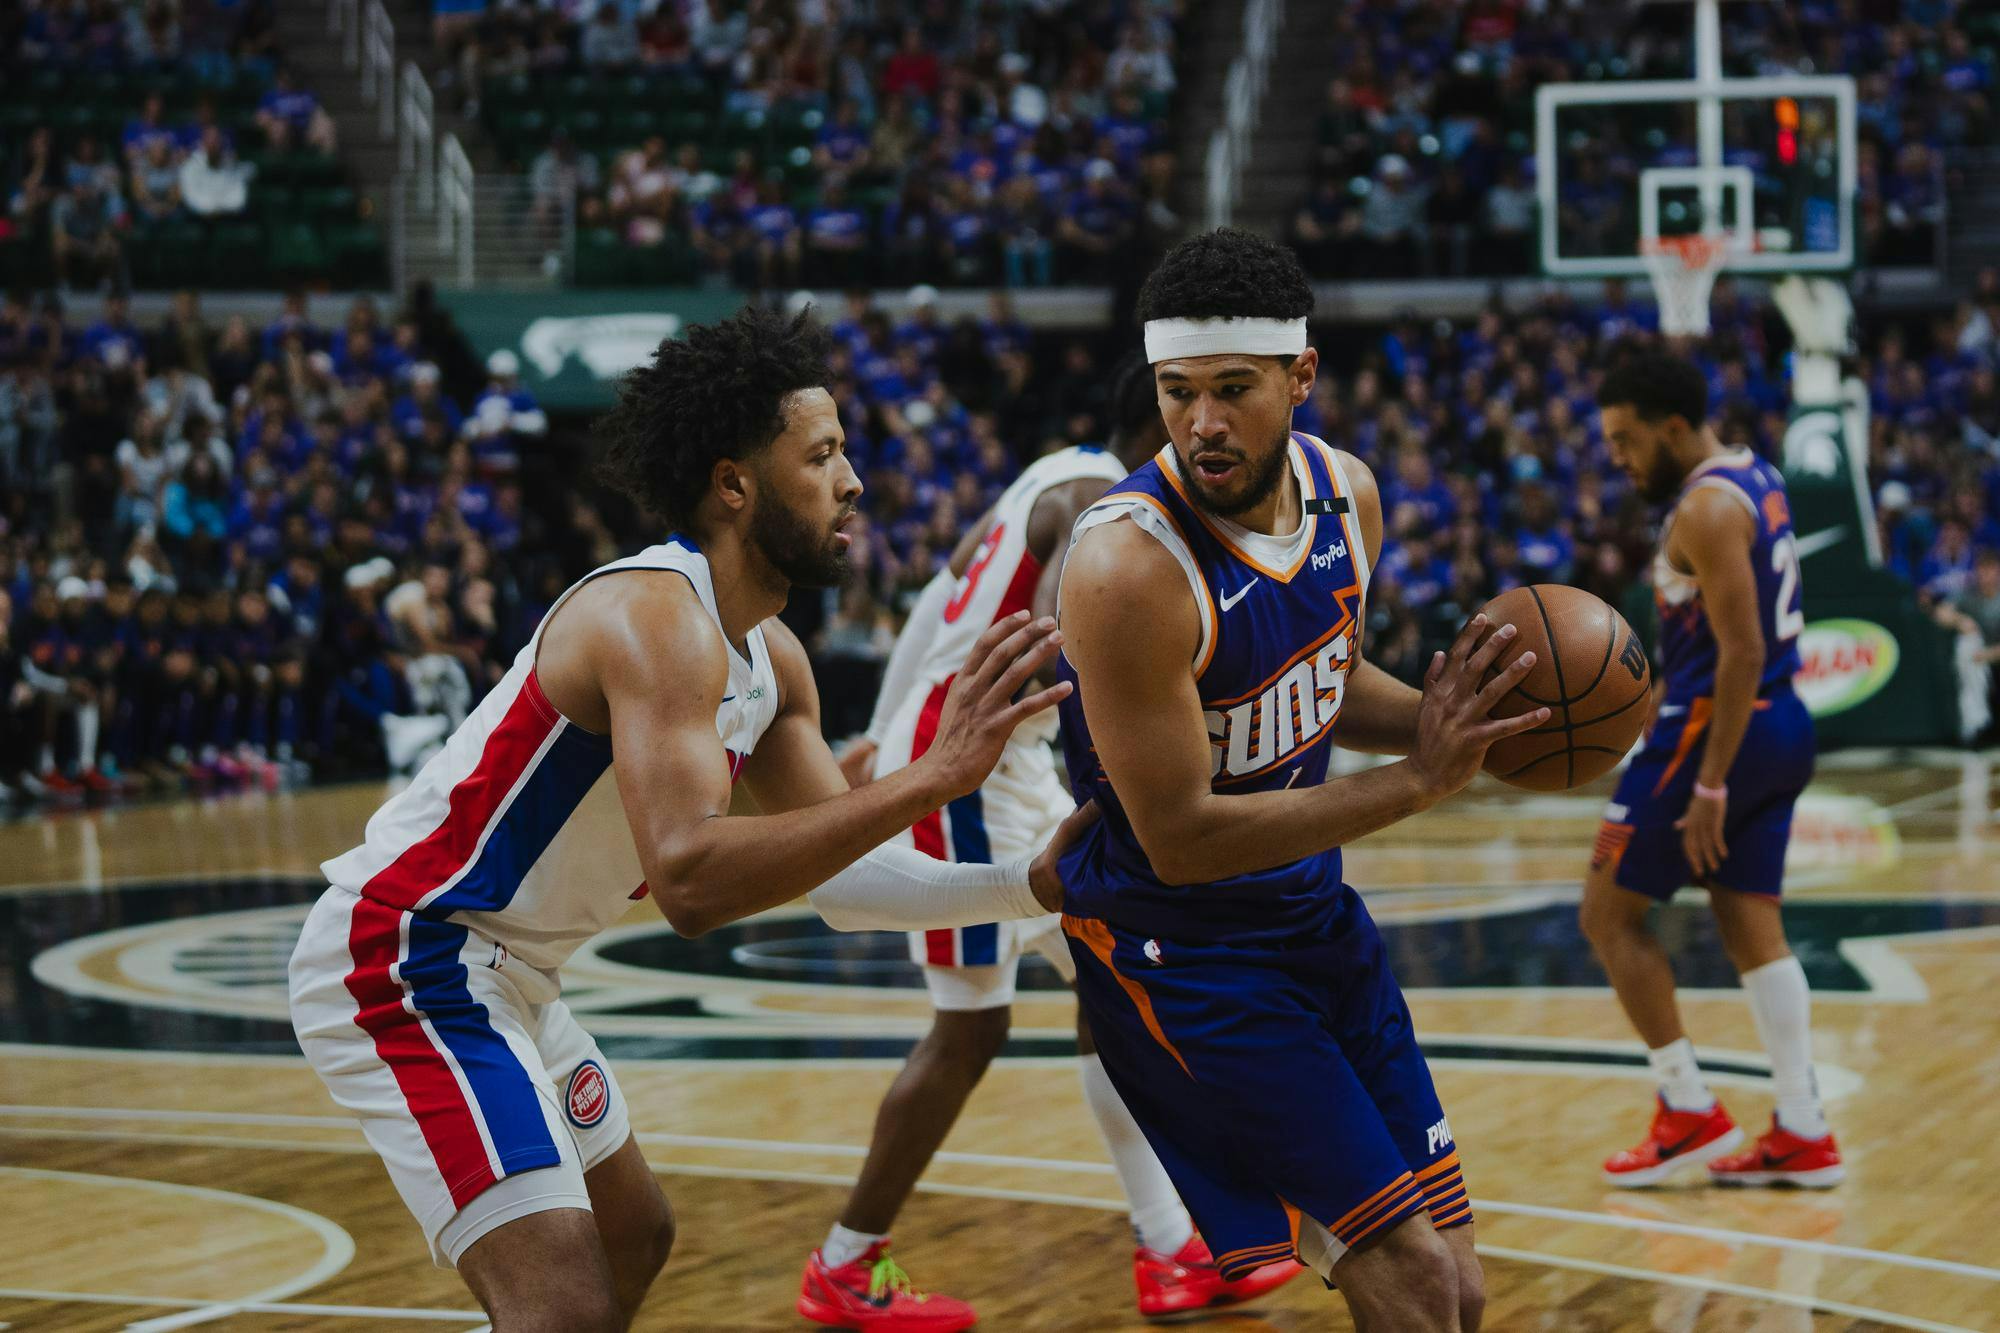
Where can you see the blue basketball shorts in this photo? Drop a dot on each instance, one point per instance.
(1771, 769)
(1281, 1086)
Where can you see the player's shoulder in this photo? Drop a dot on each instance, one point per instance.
(643, 613)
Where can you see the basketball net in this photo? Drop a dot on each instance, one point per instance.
(1683, 270)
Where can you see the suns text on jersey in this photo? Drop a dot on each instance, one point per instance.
(1260, 731)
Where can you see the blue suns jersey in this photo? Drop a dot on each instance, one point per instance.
(1687, 640)
(1281, 622)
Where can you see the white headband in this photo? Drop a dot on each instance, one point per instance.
(1171, 339)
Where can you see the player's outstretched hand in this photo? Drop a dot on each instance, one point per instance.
(980, 711)
(1455, 725)
(1043, 877)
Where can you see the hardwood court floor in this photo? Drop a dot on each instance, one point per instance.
(166, 1160)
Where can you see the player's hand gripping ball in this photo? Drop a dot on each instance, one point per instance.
(1591, 674)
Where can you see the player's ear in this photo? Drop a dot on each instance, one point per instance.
(1304, 372)
(732, 484)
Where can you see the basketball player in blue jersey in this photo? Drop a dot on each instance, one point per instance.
(1709, 799)
(1238, 991)
(426, 986)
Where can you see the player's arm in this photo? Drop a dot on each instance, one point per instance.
(1713, 536)
(1049, 527)
(662, 668)
(1378, 715)
(1132, 629)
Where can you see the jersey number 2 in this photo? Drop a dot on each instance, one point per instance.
(1785, 564)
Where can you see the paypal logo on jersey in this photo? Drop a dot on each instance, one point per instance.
(1325, 559)
(1285, 716)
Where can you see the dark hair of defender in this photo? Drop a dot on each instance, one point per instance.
(1657, 385)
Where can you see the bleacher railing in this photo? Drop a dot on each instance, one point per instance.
(457, 207)
(416, 135)
(1242, 103)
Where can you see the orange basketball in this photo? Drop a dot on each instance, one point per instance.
(1590, 673)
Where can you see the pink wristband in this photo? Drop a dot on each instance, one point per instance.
(1711, 793)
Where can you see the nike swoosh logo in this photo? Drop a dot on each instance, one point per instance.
(1229, 601)
(1771, 1162)
(727, 697)
(1676, 1149)
(1815, 542)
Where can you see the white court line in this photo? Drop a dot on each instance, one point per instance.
(1793, 1299)
(336, 1252)
(251, 1307)
(1496, 1206)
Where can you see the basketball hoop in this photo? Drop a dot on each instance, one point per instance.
(1683, 270)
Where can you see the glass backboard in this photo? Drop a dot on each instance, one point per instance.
(1775, 169)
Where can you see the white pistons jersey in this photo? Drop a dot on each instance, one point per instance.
(515, 828)
(1024, 798)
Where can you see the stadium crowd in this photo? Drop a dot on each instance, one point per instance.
(159, 143)
(228, 552)
(773, 145)
(1425, 141)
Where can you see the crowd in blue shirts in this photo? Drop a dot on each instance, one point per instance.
(229, 554)
(835, 144)
(1425, 159)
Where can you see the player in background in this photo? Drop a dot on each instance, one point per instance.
(425, 989)
(1709, 799)
(1238, 991)
(1011, 559)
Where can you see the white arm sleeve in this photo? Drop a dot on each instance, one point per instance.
(900, 888)
(913, 645)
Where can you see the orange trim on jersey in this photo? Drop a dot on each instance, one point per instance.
(1609, 849)
(1279, 674)
(1353, 533)
(1439, 1167)
(1292, 1216)
(1214, 615)
(1256, 1254)
(1697, 723)
(1169, 468)
(1383, 1214)
(1097, 936)
(1401, 1183)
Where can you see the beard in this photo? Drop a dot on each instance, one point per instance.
(1663, 480)
(805, 555)
(1259, 482)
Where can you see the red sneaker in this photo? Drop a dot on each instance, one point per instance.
(1781, 1157)
(1676, 1141)
(1191, 1281)
(874, 1293)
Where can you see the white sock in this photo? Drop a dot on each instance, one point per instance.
(1781, 1002)
(1681, 1083)
(86, 736)
(48, 758)
(844, 1247)
(1158, 1217)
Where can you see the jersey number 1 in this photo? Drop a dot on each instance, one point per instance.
(1785, 564)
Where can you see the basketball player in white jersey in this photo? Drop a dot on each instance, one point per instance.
(425, 989)
(1008, 561)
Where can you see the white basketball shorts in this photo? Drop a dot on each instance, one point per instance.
(484, 1107)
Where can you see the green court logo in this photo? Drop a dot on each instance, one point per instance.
(1843, 663)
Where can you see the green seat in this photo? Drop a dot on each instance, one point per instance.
(237, 258)
(182, 252)
(600, 258)
(796, 125)
(321, 169)
(328, 204)
(686, 127)
(633, 125)
(688, 92)
(272, 203)
(745, 129)
(358, 255)
(584, 123)
(298, 252)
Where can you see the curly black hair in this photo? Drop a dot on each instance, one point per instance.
(1227, 273)
(1656, 384)
(718, 392)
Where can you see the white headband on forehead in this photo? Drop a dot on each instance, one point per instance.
(1172, 339)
